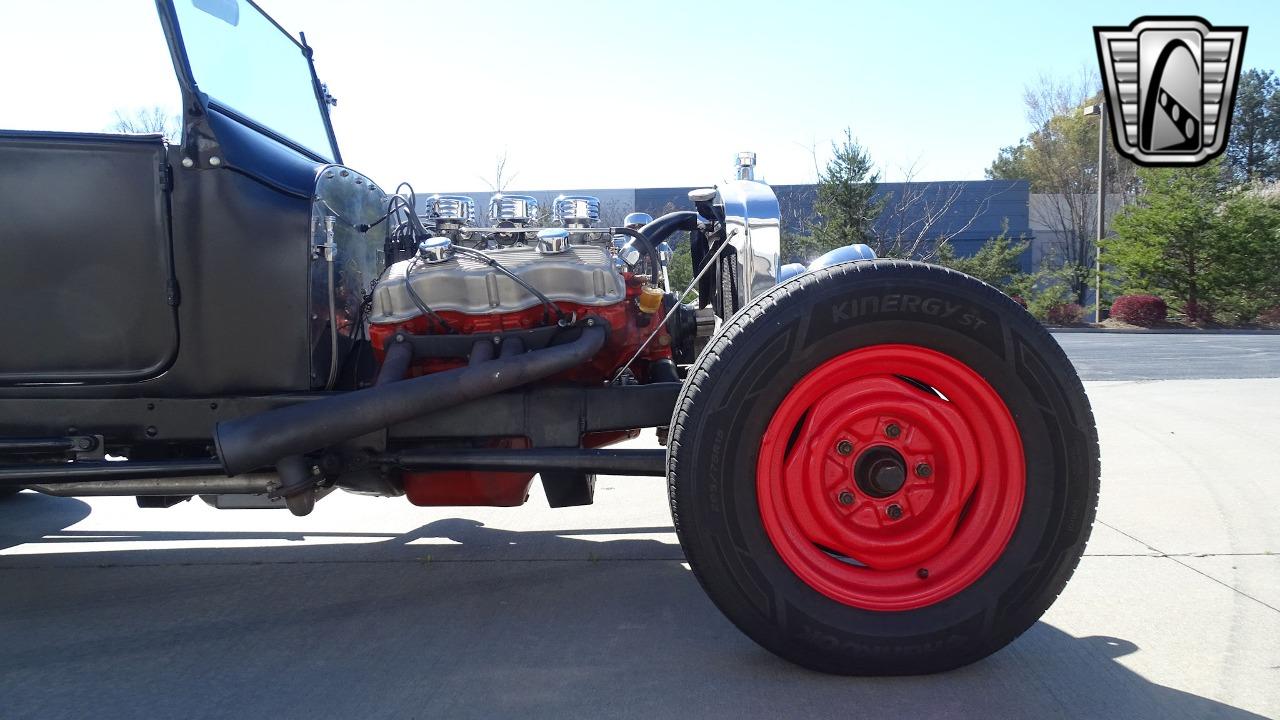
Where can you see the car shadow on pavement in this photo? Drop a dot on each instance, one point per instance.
(28, 517)
(457, 619)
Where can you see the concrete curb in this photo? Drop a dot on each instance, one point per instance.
(1162, 331)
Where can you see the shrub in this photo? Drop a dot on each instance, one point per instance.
(1270, 316)
(1064, 314)
(1141, 310)
(1198, 312)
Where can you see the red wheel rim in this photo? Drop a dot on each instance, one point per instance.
(847, 434)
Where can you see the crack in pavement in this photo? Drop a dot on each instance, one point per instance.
(1174, 557)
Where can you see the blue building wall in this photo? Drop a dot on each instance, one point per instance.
(972, 212)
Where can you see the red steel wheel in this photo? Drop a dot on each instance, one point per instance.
(883, 468)
(890, 477)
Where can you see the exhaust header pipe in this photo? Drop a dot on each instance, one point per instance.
(256, 441)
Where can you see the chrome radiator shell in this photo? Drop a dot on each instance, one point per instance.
(584, 274)
(754, 226)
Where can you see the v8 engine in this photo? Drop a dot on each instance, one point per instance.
(482, 292)
(465, 281)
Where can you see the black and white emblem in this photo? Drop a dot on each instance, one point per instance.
(1170, 85)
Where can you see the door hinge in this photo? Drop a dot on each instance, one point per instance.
(172, 294)
(166, 177)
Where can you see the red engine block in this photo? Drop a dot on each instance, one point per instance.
(628, 328)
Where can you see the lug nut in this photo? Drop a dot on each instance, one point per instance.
(846, 498)
(923, 470)
(892, 430)
(894, 511)
(844, 447)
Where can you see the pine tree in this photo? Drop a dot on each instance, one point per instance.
(846, 206)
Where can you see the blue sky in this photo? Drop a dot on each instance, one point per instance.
(610, 94)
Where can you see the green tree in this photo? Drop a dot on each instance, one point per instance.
(1060, 159)
(998, 262)
(799, 247)
(680, 269)
(1170, 242)
(1253, 150)
(1012, 163)
(846, 206)
(1248, 231)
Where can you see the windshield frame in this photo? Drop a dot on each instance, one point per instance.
(196, 103)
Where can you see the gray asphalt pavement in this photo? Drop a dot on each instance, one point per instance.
(1171, 356)
(372, 608)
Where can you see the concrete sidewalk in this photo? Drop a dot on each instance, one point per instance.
(372, 608)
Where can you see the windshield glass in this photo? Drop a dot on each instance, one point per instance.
(245, 63)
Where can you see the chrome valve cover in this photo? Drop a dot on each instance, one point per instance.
(582, 274)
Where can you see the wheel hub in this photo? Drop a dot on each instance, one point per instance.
(880, 472)
(891, 477)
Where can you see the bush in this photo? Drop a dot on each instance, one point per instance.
(1270, 316)
(1197, 312)
(1140, 310)
(1064, 314)
(998, 262)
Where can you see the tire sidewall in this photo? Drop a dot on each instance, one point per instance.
(777, 341)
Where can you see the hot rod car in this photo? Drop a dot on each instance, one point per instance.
(875, 466)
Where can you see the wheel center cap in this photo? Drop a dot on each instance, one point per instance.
(880, 471)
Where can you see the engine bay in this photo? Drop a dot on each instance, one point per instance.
(529, 279)
(526, 269)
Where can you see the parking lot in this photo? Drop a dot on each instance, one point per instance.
(373, 608)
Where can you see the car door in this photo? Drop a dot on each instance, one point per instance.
(86, 277)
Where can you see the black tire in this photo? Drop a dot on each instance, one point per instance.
(743, 376)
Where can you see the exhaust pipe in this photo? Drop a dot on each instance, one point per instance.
(252, 442)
